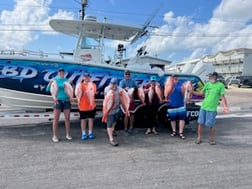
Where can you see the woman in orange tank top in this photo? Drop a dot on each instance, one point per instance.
(85, 94)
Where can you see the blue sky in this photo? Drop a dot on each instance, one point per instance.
(182, 29)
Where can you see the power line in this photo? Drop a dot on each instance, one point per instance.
(197, 35)
(113, 12)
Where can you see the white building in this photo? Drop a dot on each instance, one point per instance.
(234, 62)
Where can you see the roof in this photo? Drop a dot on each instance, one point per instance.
(95, 29)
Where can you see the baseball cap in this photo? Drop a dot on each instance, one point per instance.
(61, 70)
(127, 72)
(113, 81)
(213, 74)
(174, 75)
(86, 74)
(153, 78)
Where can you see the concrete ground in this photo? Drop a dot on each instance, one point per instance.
(29, 160)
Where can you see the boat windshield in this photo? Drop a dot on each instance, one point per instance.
(88, 43)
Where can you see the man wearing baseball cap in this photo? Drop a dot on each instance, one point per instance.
(212, 91)
(126, 84)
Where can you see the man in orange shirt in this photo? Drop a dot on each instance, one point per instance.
(85, 94)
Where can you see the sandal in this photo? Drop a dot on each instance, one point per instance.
(174, 133)
(181, 135)
(113, 143)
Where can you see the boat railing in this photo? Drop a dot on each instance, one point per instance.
(40, 54)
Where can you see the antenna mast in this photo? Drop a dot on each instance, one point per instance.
(84, 3)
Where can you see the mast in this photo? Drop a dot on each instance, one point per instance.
(84, 3)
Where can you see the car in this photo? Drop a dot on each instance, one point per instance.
(245, 81)
(222, 80)
(233, 80)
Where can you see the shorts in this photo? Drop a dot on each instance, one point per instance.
(62, 105)
(87, 114)
(112, 118)
(178, 113)
(207, 118)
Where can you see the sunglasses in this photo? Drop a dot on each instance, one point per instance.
(127, 74)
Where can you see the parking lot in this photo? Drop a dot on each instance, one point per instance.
(30, 160)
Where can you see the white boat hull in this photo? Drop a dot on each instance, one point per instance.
(29, 101)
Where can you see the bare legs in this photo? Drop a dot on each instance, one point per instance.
(90, 125)
(55, 125)
(56, 114)
(126, 121)
(211, 135)
(181, 128)
(110, 131)
(200, 130)
(67, 121)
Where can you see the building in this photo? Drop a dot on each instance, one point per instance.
(235, 62)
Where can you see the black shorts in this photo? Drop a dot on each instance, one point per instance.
(87, 114)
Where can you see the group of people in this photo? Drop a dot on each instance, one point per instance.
(176, 94)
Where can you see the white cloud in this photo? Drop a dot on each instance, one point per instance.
(228, 28)
(18, 27)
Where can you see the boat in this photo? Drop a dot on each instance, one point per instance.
(24, 75)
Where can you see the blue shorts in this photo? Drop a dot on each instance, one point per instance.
(112, 119)
(176, 113)
(62, 105)
(207, 118)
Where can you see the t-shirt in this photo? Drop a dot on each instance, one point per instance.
(177, 97)
(116, 107)
(61, 91)
(85, 104)
(212, 92)
(128, 83)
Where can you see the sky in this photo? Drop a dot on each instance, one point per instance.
(180, 30)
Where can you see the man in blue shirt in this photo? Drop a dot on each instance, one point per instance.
(176, 105)
(126, 84)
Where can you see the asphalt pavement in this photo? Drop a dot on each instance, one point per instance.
(29, 160)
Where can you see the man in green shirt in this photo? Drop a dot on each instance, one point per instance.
(213, 92)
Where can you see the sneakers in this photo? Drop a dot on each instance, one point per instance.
(55, 139)
(197, 141)
(91, 136)
(84, 137)
(68, 137)
(212, 142)
(131, 131)
(126, 133)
